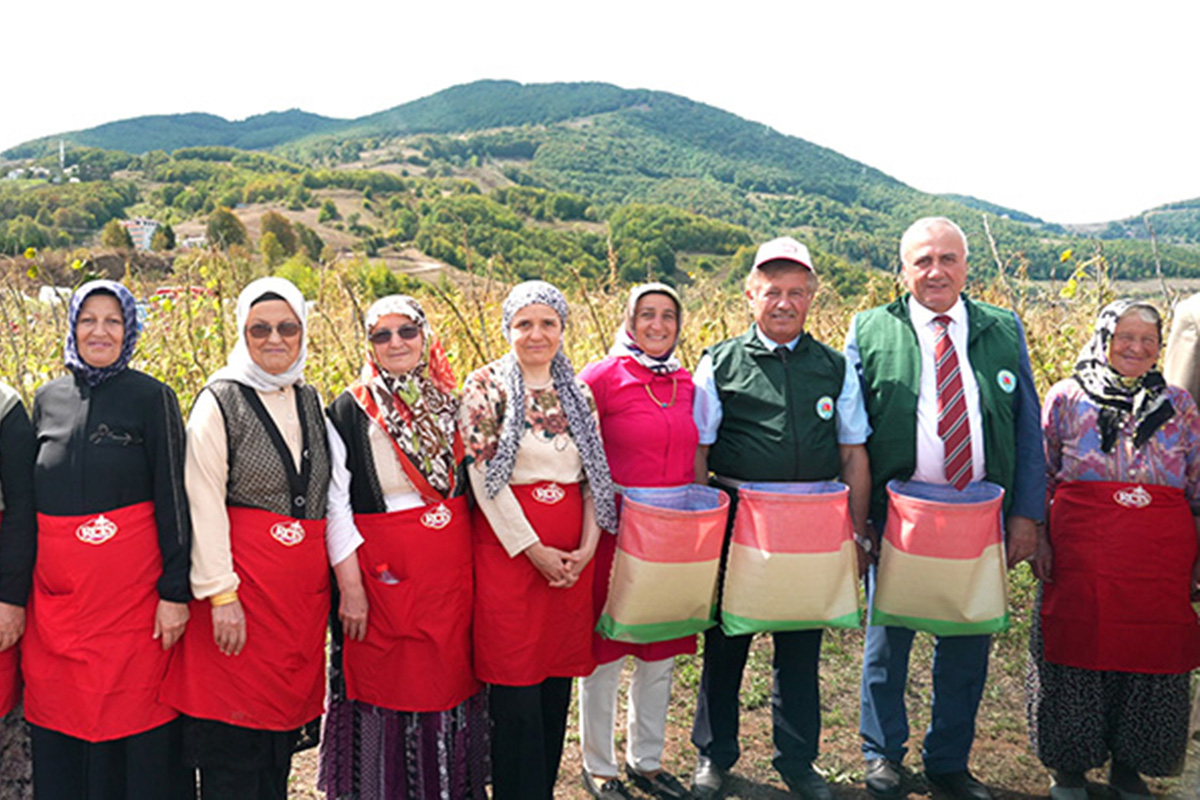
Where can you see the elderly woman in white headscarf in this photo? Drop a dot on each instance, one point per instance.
(406, 718)
(539, 474)
(251, 671)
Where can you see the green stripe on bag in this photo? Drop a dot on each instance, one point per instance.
(941, 627)
(733, 625)
(652, 632)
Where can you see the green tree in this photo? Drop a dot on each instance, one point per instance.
(310, 241)
(115, 236)
(285, 234)
(163, 239)
(225, 229)
(272, 251)
(328, 212)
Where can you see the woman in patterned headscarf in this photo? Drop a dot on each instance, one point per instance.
(250, 673)
(110, 585)
(1116, 636)
(406, 718)
(540, 477)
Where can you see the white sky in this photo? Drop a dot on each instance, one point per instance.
(1072, 111)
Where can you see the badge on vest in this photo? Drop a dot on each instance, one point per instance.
(1007, 381)
(288, 534)
(825, 407)
(96, 531)
(437, 518)
(1137, 497)
(549, 494)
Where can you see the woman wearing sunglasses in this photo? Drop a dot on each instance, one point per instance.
(406, 718)
(251, 670)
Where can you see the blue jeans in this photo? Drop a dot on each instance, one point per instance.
(959, 673)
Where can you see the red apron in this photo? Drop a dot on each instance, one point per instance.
(277, 682)
(1123, 556)
(91, 665)
(416, 568)
(10, 674)
(524, 630)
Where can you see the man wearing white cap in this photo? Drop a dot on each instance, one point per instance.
(950, 396)
(766, 411)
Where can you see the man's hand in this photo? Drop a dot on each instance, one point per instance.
(1021, 539)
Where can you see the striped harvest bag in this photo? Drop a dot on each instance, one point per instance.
(791, 559)
(664, 575)
(941, 566)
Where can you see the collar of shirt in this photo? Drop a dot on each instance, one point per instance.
(771, 344)
(922, 317)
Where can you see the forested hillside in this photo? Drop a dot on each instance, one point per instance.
(553, 179)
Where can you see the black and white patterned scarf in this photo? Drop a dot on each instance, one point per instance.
(574, 405)
(1117, 396)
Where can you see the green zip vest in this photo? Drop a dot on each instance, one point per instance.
(778, 411)
(891, 377)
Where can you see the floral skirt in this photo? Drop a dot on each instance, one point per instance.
(16, 760)
(367, 752)
(1080, 718)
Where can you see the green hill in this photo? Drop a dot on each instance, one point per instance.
(586, 151)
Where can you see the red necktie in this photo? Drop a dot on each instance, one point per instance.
(953, 426)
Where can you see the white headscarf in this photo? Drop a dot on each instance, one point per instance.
(241, 366)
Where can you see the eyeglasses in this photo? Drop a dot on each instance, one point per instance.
(261, 330)
(384, 335)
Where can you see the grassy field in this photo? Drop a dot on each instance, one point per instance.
(187, 336)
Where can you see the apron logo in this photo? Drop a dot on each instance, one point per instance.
(437, 518)
(1137, 497)
(549, 494)
(288, 533)
(96, 531)
(1007, 381)
(825, 407)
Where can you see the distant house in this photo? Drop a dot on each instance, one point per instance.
(189, 242)
(141, 231)
(15, 174)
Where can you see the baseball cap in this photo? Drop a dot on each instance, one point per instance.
(784, 248)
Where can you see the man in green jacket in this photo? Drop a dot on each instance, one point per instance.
(935, 341)
(774, 404)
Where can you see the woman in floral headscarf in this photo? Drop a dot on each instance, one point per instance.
(406, 718)
(1116, 637)
(110, 585)
(540, 477)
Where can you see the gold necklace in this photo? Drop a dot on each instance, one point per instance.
(660, 403)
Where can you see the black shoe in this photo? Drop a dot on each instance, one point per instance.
(958, 785)
(663, 784)
(707, 779)
(611, 789)
(884, 779)
(808, 784)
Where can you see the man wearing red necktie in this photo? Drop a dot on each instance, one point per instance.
(950, 398)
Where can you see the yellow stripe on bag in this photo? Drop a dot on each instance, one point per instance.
(785, 587)
(664, 592)
(951, 590)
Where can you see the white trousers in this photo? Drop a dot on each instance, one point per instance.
(649, 697)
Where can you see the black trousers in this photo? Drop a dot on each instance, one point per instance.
(237, 763)
(795, 698)
(146, 766)
(528, 726)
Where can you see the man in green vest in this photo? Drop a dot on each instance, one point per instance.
(774, 404)
(950, 396)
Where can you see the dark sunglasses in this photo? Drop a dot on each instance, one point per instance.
(261, 330)
(384, 335)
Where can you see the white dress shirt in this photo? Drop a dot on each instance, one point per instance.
(931, 452)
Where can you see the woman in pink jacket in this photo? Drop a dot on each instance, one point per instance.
(644, 401)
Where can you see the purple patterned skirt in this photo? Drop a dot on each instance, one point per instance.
(367, 751)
